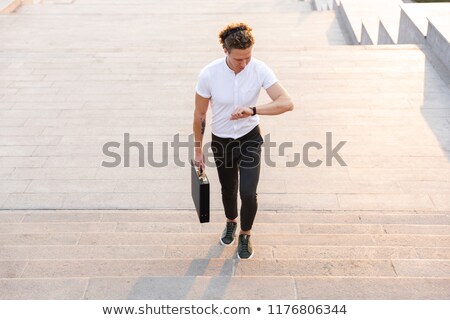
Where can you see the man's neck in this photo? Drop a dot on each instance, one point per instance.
(226, 61)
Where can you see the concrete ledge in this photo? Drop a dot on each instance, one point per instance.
(439, 44)
(370, 13)
(336, 4)
(366, 21)
(322, 5)
(342, 14)
(427, 25)
(383, 35)
(9, 6)
(409, 32)
(369, 30)
(389, 25)
(365, 36)
(414, 20)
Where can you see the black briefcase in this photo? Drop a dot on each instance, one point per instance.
(200, 192)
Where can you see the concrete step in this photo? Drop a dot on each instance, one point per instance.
(362, 19)
(225, 287)
(415, 19)
(195, 227)
(322, 5)
(159, 251)
(136, 238)
(428, 24)
(391, 22)
(389, 27)
(154, 216)
(429, 268)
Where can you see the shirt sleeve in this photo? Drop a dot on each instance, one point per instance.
(203, 87)
(268, 76)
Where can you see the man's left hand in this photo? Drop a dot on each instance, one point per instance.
(241, 113)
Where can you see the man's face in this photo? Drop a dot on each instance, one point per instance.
(239, 58)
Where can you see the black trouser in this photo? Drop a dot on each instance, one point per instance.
(233, 156)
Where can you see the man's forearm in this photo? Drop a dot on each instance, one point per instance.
(278, 106)
(199, 130)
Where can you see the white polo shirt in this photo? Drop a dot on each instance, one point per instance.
(229, 91)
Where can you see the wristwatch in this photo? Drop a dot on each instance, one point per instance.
(254, 110)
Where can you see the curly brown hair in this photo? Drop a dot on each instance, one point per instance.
(237, 35)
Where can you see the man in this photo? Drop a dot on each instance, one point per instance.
(232, 86)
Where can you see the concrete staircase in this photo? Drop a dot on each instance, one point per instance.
(322, 5)
(377, 228)
(428, 24)
(390, 22)
(363, 20)
(167, 255)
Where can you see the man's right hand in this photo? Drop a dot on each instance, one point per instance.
(199, 161)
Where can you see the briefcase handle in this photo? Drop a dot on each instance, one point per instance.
(200, 172)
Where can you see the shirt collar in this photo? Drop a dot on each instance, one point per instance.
(231, 71)
(227, 67)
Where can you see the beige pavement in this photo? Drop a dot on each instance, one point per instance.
(75, 76)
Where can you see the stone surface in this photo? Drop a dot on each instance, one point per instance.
(200, 287)
(376, 228)
(122, 268)
(373, 288)
(53, 137)
(324, 267)
(42, 289)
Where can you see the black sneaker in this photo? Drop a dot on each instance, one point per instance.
(227, 237)
(244, 250)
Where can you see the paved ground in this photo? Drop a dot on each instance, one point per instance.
(74, 76)
(115, 69)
